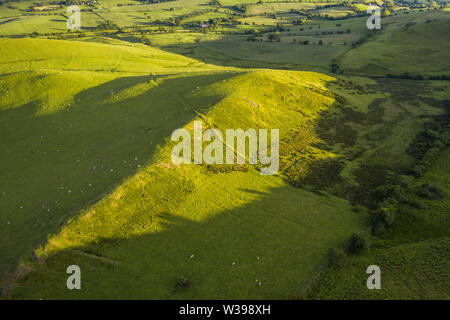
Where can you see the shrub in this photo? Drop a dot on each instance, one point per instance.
(298, 296)
(388, 216)
(417, 204)
(336, 257)
(418, 171)
(358, 208)
(183, 282)
(358, 242)
(378, 229)
(383, 217)
(430, 191)
(226, 168)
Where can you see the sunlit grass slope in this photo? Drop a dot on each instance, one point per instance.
(72, 127)
(46, 55)
(234, 233)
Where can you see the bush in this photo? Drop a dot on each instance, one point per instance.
(388, 216)
(358, 242)
(336, 257)
(358, 208)
(417, 204)
(383, 218)
(430, 191)
(378, 229)
(298, 296)
(183, 282)
(226, 168)
(418, 170)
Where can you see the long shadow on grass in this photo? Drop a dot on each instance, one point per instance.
(267, 248)
(54, 165)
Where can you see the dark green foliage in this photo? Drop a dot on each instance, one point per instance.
(274, 37)
(417, 204)
(298, 296)
(226, 168)
(428, 143)
(336, 257)
(430, 191)
(183, 282)
(358, 242)
(382, 219)
(379, 229)
(324, 173)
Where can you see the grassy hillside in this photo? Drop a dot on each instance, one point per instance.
(415, 263)
(87, 177)
(406, 43)
(114, 134)
(409, 271)
(69, 121)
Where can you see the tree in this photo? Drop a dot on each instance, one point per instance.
(357, 243)
(274, 37)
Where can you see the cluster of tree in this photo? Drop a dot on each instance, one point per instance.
(274, 37)
(434, 137)
(242, 7)
(425, 148)
(407, 75)
(335, 68)
(362, 40)
(107, 25)
(154, 1)
(214, 3)
(300, 22)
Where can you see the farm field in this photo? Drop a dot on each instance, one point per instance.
(87, 116)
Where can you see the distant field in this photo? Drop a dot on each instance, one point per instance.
(335, 12)
(404, 38)
(235, 50)
(283, 7)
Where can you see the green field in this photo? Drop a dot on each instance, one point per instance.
(86, 119)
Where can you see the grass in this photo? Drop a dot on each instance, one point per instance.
(413, 252)
(88, 178)
(390, 50)
(108, 164)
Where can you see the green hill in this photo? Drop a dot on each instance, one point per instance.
(87, 176)
(106, 153)
(413, 257)
(406, 43)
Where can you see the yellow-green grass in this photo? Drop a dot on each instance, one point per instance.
(259, 9)
(229, 233)
(397, 48)
(337, 12)
(237, 51)
(48, 92)
(109, 149)
(54, 55)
